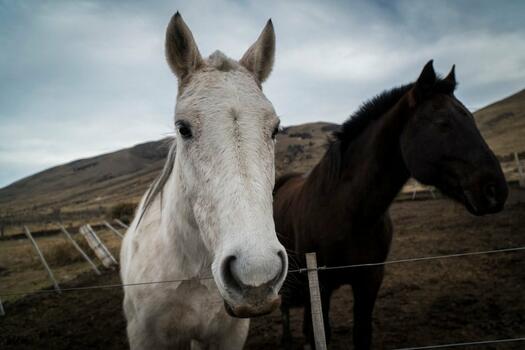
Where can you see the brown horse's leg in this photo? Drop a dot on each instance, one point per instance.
(326, 295)
(307, 319)
(365, 289)
(307, 325)
(287, 333)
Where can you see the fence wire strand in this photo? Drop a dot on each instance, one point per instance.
(390, 262)
(105, 286)
(456, 345)
(301, 270)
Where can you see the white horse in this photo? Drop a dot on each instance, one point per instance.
(210, 211)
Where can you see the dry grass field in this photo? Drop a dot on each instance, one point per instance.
(21, 269)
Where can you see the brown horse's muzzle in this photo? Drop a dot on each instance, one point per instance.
(485, 195)
(489, 200)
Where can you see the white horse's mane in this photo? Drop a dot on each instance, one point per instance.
(158, 184)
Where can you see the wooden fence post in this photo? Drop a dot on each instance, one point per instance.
(315, 301)
(101, 251)
(43, 260)
(84, 255)
(414, 194)
(520, 170)
(101, 244)
(123, 225)
(100, 241)
(114, 230)
(2, 312)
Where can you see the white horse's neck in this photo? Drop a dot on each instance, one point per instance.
(180, 232)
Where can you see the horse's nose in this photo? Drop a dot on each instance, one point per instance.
(489, 191)
(495, 195)
(254, 273)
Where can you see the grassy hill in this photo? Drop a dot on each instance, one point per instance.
(503, 124)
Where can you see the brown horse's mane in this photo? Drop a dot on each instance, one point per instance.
(377, 106)
(370, 111)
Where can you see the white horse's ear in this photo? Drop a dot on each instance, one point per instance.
(260, 56)
(182, 53)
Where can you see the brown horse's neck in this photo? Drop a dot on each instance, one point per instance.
(371, 170)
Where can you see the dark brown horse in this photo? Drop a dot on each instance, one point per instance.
(340, 209)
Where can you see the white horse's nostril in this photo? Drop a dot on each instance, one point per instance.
(229, 277)
(284, 266)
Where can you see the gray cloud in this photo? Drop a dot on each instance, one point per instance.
(84, 77)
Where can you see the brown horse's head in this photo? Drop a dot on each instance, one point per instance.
(442, 146)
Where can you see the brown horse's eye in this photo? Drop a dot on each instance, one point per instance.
(184, 129)
(442, 124)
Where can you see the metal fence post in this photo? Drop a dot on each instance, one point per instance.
(123, 225)
(114, 230)
(43, 260)
(520, 170)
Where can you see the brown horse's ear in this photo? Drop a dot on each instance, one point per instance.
(182, 53)
(259, 58)
(451, 77)
(427, 78)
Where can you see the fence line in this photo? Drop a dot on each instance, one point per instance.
(97, 246)
(320, 268)
(121, 224)
(455, 345)
(114, 230)
(389, 262)
(106, 286)
(312, 269)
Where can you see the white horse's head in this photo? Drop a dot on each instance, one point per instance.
(225, 161)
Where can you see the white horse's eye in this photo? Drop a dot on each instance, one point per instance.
(184, 129)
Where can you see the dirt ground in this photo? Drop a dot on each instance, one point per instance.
(420, 303)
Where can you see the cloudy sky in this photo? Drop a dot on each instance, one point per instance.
(78, 78)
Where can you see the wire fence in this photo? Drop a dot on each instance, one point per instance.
(320, 268)
(300, 270)
(457, 345)
(425, 258)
